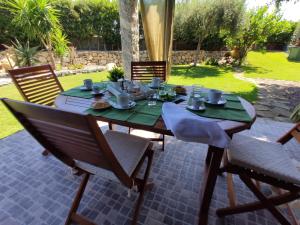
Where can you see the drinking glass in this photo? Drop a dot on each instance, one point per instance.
(151, 99)
(197, 90)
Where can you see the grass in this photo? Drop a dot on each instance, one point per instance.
(272, 65)
(208, 76)
(213, 77)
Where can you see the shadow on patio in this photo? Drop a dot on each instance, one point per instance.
(38, 190)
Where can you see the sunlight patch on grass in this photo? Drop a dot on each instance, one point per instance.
(271, 65)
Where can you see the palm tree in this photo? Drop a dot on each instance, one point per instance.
(37, 19)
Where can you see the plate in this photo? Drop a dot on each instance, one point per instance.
(104, 105)
(83, 88)
(116, 106)
(99, 93)
(201, 108)
(222, 101)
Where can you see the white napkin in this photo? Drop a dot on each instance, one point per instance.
(189, 127)
(113, 90)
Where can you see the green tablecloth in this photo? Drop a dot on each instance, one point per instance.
(140, 114)
(148, 115)
(232, 110)
(76, 92)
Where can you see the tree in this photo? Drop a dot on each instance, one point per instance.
(282, 33)
(200, 19)
(255, 29)
(37, 19)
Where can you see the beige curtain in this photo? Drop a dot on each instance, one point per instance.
(157, 18)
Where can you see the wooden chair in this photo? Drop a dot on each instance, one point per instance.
(144, 72)
(256, 161)
(37, 84)
(76, 140)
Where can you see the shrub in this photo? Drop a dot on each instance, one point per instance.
(115, 74)
(25, 55)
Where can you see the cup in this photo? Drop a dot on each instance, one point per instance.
(96, 89)
(155, 82)
(123, 99)
(88, 83)
(214, 96)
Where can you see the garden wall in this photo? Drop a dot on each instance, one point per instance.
(101, 58)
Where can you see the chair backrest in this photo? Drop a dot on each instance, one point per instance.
(145, 71)
(293, 133)
(68, 136)
(37, 84)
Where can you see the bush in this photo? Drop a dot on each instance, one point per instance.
(115, 74)
(281, 35)
(83, 20)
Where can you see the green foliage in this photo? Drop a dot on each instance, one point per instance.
(60, 42)
(115, 74)
(25, 55)
(83, 20)
(36, 18)
(296, 34)
(207, 21)
(254, 29)
(282, 32)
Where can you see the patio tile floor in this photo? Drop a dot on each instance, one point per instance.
(38, 190)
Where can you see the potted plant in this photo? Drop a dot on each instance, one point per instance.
(115, 74)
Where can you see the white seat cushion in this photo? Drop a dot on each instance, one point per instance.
(263, 157)
(127, 148)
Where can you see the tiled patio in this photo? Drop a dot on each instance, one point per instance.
(37, 190)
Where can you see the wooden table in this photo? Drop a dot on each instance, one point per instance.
(214, 155)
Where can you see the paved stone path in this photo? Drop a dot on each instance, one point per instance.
(276, 98)
(38, 190)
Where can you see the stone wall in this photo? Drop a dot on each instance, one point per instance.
(101, 58)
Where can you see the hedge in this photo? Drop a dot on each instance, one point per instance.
(97, 22)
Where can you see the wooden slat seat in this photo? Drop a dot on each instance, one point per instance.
(77, 141)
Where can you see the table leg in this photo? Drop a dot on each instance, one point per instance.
(209, 180)
(208, 157)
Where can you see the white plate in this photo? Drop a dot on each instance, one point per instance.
(116, 106)
(222, 101)
(201, 108)
(83, 88)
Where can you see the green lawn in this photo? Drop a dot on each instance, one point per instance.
(208, 76)
(272, 65)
